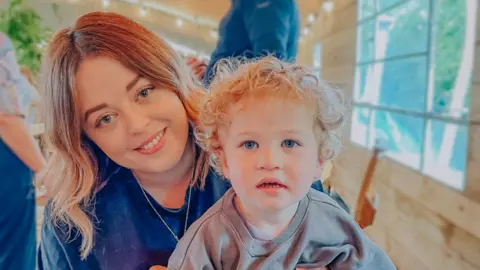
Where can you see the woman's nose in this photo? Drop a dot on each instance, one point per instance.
(136, 120)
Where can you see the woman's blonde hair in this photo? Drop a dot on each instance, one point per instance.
(72, 174)
(239, 79)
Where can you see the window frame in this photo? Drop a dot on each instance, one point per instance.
(317, 68)
(427, 116)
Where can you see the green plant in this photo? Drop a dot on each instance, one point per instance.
(23, 26)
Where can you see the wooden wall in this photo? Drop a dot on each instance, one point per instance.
(421, 223)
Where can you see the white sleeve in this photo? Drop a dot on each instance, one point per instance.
(15, 91)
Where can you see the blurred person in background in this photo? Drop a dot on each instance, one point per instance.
(251, 29)
(20, 155)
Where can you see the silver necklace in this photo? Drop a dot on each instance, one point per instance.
(160, 216)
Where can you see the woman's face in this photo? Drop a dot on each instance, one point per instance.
(138, 125)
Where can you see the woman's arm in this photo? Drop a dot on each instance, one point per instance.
(13, 129)
(15, 134)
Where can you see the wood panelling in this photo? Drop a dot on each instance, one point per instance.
(421, 223)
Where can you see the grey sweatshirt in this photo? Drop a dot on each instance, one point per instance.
(321, 234)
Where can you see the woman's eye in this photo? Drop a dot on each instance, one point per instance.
(289, 143)
(142, 94)
(105, 120)
(250, 144)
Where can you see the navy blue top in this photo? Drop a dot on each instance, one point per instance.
(129, 234)
(253, 28)
(17, 195)
(17, 218)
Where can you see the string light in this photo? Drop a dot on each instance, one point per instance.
(214, 34)
(143, 11)
(328, 6)
(311, 18)
(305, 31)
(179, 22)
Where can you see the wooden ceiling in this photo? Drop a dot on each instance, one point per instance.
(215, 9)
(199, 17)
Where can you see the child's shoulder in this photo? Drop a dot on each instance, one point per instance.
(323, 203)
(334, 219)
(319, 197)
(331, 228)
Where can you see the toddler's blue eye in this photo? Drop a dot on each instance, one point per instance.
(289, 143)
(250, 144)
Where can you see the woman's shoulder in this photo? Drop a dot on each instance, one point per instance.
(111, 190)
(60, 243)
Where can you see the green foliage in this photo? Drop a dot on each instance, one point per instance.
(448, 47)
(410, 35)
(23, 26)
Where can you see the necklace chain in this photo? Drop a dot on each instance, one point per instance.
(160, 216)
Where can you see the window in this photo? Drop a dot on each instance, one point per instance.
(317, 59)
(413, 82)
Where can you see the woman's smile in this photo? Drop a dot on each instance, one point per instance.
(152, 145)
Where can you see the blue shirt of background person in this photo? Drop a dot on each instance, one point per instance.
(20, 157)
(252, 28)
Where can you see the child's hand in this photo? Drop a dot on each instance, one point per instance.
(158, 267)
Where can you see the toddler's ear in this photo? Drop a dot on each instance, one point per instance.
(319, 169)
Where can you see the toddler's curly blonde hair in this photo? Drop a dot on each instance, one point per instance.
(270, 78)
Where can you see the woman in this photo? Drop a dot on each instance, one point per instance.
(19, 156)
(126, 177)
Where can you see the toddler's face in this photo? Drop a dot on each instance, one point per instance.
(270, 153)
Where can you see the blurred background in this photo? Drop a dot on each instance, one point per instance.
(411, 69)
